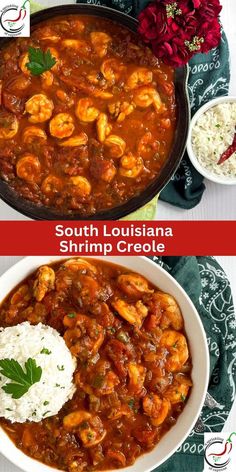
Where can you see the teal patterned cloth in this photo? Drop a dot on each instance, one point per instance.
(209, 78)
(208, 287)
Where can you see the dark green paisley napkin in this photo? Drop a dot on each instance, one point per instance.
(209, 289)
(209, 78)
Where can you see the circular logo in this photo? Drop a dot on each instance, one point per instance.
(12, 19)
(217, 453)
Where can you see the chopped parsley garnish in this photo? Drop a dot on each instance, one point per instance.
(22, 380)
(217, 125)
(111, 330)
(98, 381)
(183, 397)
(40, 61)
(61, 367)
(131, 403)
(45, 351)
(175, 345)
(71, 315)
(90, 435)
(45, 403)
(46, 412)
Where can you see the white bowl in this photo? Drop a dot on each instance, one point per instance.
(202, 170)
(198, 348)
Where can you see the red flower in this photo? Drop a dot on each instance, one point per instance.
(179, 29)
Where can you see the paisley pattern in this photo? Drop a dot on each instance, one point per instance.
(208, 287)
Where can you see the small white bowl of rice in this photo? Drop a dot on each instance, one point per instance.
(211, 133)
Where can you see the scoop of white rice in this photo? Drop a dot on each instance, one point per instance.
(46, 397)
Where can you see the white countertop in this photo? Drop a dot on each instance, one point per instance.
(217, 200)
(227, 263)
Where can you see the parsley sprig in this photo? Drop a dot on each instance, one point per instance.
(23, 380)
(40, 61)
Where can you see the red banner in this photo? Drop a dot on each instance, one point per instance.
(117, 238)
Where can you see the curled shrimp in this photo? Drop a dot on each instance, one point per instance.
(48, 34)
(28, 168)
(100, 42)
(89, 428)
(62, 125)
(131, 166)
(177, 347)
(140, 76)
(40, 107)
(137, 374)
(76, 141)
(81, 185)
(134, 313)
(23, 61)
(116, 146)
(79, 264)
(133, 285)
(21, 296)
(157, 408)
(64, 98)
(51, 185)
(45, 280)
(85, 110)
(171, 314)
(74, 419)
(120, 110)
(178, 391)
(103, 127)
(47, 79)
(111, 69)
(9, 125)
(33, 133)
(146, 96)
(78, 45)
(147, 146)
(85, 338)
(65, 275)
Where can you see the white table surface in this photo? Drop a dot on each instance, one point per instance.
(227, 263)
(217, 201)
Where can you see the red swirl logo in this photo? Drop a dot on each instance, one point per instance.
(12, 18)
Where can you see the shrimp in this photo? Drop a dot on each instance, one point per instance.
(79, 264)
(23, 61)
(81, 185)
(51, 185)
(33, 133)
(177, 347)
(157, 408)
(177, 392)
(47, 34)
(146, 96)
(66, 273)
(123, 410)
(134, 313)
(62, 125)
(102, 94)
(40, 107)
(116, 146)
(171, 314)
(111, 69)
(131, 166)
(76, 141)
(28, 168)
(105, 383)
(100, 42)
(147, 146)
(44, 282)
(78, 45)
(92, 432)
(133, 285)
(47, 79)
(9, 125)
(120, 110)
(137, 374)
(55, 54)
(64, 98)
(140, 76)
(74, 419)
(103, 127)
(85, 110)
(21, 296)
(85, 338)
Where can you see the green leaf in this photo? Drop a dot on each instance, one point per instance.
(23, 380)
(40, 61)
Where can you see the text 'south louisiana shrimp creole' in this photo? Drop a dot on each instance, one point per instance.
(87, 115)
(133, 366)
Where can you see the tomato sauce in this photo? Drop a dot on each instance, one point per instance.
(94, 130)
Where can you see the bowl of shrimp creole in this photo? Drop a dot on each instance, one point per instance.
(104, 364)
(92, 124)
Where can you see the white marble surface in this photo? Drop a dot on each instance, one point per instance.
(227, 263)
(217, 200)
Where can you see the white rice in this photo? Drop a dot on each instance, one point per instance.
(46, 397)
(212, 134)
